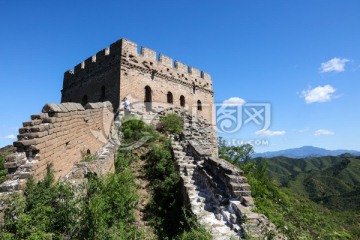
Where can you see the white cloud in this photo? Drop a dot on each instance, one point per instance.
(318, 94)
(270, 133)
(323, 132)
(11, 136)
(334, 65)
(303, 130)
(234, 101)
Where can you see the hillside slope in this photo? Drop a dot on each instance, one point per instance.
(333, 181)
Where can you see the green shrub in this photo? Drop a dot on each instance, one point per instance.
(195, 230)
(109, 207)
(172, 123)
(164, 182)
(47, 209)
(87, 157)
(51, 211)
(3, 171)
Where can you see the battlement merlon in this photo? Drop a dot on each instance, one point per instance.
(131, 48)
(151, 56)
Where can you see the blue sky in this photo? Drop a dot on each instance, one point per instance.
(302, 57)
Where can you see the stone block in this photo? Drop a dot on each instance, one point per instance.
(39, 116)
(32, 123)
(51, 108)
(70, 106)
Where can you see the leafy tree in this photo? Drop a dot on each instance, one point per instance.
(172, 123)
(47, 210)
(235, 154)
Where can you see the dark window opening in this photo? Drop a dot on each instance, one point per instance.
(147, 98)
(170, 98)
(84, 100)
(102, 97)
(153, 74)
(194, 88)
(199, 107)
(182, 101)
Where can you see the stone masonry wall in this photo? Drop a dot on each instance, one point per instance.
(162, 75)
(120, 71)
(97, 78)
(60, 135)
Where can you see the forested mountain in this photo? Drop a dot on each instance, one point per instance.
(304, 152)
(333, 181)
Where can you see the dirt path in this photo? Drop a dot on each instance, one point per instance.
(144, 196)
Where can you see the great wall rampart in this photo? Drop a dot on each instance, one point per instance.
(215, 191)
(61, 135)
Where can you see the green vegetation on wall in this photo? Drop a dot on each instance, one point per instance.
(3, 153)
(106, 210)
(171, 123)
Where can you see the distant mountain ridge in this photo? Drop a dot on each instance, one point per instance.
(305, 152)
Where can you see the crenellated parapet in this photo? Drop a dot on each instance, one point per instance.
(125, 52)
(125, 69)
(160, 65)
(92, 65)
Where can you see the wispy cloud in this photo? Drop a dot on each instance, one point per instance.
(323, 132)
(234, 101)
(334, 65)
(11, 136)
(318, 94)
(303, 130)
(270, 133)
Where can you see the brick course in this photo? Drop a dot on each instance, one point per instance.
(76, 130)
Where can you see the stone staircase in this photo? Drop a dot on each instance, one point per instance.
(219, 220)
(216, 191)
(226, 215)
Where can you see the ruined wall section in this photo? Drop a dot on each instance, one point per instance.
(60, 135)
(97, 79)
(163, 75)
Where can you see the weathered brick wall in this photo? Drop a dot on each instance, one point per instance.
(60, 135)
(97, 78)
(120, 71)
(163, 76)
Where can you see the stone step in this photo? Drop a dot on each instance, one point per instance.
(236, 179)
(242, 193)
(187, 166)
(247, 200)
(241, 209)
(240, 186)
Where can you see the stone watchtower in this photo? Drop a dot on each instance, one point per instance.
(120, 71)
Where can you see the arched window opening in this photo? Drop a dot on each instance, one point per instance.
(182, 101)
(170, 98)
(147, 98)
(84, 100)
(194, 89)
(199, 107)
(102, 97)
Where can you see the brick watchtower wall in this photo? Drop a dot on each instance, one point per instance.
(163, 76)
(120, 71)
(97, 79)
